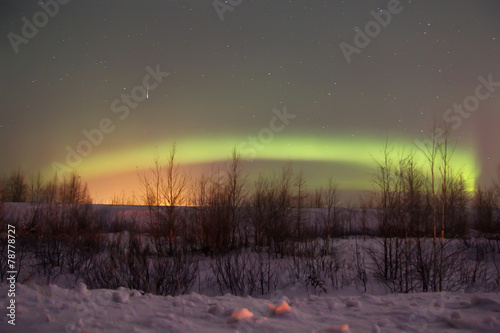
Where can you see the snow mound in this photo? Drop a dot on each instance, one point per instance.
(337, 329)
(81, 289)
(121, 296)
(241, 315)
(383, 322)
(217, 309)
(281, 309)
(353, 303)
(478, 301)
(51, 308)
(196, 298)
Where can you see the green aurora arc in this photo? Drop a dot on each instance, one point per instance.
(358, 151)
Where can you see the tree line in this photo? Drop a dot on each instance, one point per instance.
(16, 187)
(427, 231)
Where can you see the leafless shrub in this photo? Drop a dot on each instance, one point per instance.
(494, 283)
(122, 199)
(36, 189)
(60, 238)
(231, 273)
(220, 200)
(268, 273)
(480, 267)
(360, 265)
(129, 261)
(83, 237)
(3, 191)
(485, 205)
(332, 217)
(73, 191)
(472, 270)
(16, 187)
(50, 246)
(299, 197)
(320, 272)
(271, 211)
(175, 274)
(243, 273)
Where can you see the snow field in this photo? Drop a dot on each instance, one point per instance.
(54, 309)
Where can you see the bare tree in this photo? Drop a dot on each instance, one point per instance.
(430, 152)
(176, 185)
(217, 220)
(152, 185)
(485, 205)
(458, 199)
(259, 210)
(365, 205)
(446, 156)
(332, 205)
(200, 219)
(317, 198)
(384, 182)
(271, 210)
(281, 229)
(73, 191)
(51, 190)
(301, 196)
(3, 190)
(36, 188)
(496, 183)
(16, 187)
(164, 190)
(235, 192)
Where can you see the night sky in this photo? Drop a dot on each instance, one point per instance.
(274, 71)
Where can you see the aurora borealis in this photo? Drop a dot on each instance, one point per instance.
(361, 152)
(223, 82)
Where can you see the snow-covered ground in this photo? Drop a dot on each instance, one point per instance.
(54, 309)
(293, 307)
